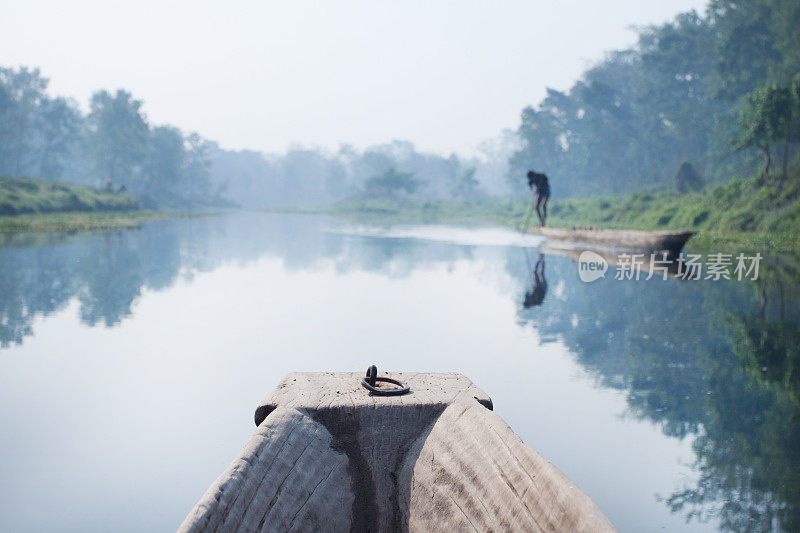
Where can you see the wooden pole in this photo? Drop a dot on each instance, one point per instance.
(524, 228)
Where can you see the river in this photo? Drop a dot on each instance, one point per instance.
(131, 363)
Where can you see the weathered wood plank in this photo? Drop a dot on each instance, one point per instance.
(650, 241)
(288, 476)
(328, 456)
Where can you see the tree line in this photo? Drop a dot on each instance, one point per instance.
(309, 176)
(112, 145)
(687, 93)
(115, 145)
(698, 100)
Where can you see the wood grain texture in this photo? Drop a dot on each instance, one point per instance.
(472, 473)
(287, 478)
(651, 241)
(329, 456)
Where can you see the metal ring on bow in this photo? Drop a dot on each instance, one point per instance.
(371, 379)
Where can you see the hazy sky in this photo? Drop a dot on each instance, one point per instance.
(264, 75)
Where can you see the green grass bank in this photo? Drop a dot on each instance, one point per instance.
(20, 196)
(28, 204)
(80, 221)
(742, 213)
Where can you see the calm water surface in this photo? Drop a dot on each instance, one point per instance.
(131, 363)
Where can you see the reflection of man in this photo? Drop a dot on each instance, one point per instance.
(535, 296)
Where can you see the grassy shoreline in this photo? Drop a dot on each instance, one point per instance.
(703, 240)
(743, 214)
(81, 221)
(35, 205)
(781, 249)
(21, 196)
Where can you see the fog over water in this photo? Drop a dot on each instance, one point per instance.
(121, 403)
(300, 176)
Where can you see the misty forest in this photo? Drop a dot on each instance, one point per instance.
(715, 94)
(155, 284)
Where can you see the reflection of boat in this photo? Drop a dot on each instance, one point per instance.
(647, 264)
(647, 241)
(329, 455)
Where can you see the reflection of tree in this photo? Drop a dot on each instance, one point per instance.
(114, 274)
(748, 454)
(32, 282)
(750, 460)
(712, 361)
(702, 360)
(106, 272)
(770, 352)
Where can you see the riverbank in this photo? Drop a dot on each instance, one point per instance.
(741, 214)
(80, 221)
(20, 196)
(29, 204)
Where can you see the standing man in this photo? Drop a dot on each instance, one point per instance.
(542, 193)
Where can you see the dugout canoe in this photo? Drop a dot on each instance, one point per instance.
(328, 455)
(644, 241)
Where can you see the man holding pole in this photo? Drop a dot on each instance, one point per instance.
(542, 192)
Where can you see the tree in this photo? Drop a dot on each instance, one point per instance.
(163, 167)
(793, 135)
(746, 51)
(21, 92)
(754, 130)
(766, 120)
(781, 113)
(8, 110)
(633, 117)
(305, 176)
(677, 83)
(57, 125)
(391, 182)
(540, 130)
(196, 166)
(48, 137)
(757, 43)
(466, 186)
(118, 135)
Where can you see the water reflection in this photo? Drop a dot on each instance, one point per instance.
(716, 362)
(713, 362)
(106, 273)
(648, 265)
(535, 295)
